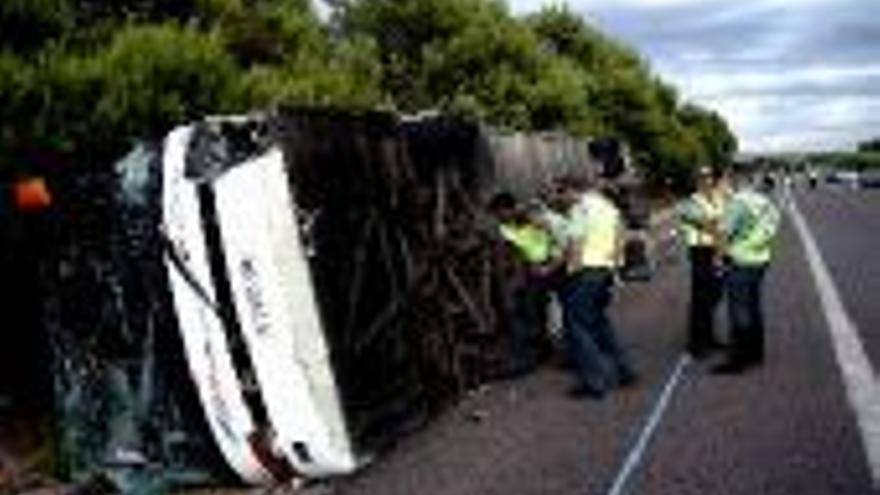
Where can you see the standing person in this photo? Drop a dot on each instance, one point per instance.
(749, 225)
(699, 218)
(812, 177)
(528, 293)
(592, 255)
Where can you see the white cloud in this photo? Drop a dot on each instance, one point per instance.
(801, 73)
(729, 7)
(777, 123)
(700, 83)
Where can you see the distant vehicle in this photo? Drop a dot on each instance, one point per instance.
(848, 177)
(870, 180)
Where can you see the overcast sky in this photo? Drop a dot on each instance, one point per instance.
(786, 74)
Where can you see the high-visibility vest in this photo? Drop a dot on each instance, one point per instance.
(751, 242)
(533, 243)
(556, 225)
(701, 208)
(600, 242)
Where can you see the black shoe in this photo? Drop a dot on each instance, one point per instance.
(698, 354)
(730, 367)
(701, 352)
(628, 380)
(521, 371)
(581, 392)
(717, 346)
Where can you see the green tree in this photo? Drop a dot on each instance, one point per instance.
(668, 139)
(712, 131)
(470, 57)
(27, 25)
(133, 69)
(871, 145)
(88, 76)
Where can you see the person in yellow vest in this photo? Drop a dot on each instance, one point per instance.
(749, 226)
(699, 220)
(529, 287)
(592, 255)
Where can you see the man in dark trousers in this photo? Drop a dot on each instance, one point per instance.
(593, 255)
(700, 217)
(530, 245)
(749, 226)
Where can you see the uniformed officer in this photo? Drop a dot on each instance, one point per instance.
(699, 218)
(593, 253)
(529, 286)
(749, 225)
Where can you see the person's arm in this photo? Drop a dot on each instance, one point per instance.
(619, 243)
(552, 265)
(775, 217)
(572, 254)
(688, 213)
(732, 221)
(576, 229)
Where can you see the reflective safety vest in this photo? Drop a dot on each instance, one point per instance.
(601, 232)
(556, 225)
(698, 209)
(533, 243)
(751, 222)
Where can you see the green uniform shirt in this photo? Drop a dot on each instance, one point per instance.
(749, 224)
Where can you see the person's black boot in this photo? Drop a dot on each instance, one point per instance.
(582, 392)
(730, 366)
(628, 379)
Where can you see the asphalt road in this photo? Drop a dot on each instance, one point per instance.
(846, 225)
(786, 428)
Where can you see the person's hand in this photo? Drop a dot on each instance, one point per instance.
(548, 268)
(537, 270)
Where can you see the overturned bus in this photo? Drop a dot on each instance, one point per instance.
(280, 296)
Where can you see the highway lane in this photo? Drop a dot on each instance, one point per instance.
(526, 437)
(785, 428)
(846, 224)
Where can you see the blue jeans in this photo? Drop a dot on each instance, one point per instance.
(598, 358)
(745, 312)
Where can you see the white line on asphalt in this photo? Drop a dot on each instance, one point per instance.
(638, 449)
(859, 378)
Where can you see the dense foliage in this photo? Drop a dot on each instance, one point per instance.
(860, 160)
(80, 79)
(870, 146)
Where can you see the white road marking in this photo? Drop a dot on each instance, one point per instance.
(859, 377)
(641, 445)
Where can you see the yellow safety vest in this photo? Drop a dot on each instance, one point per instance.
(708, 208)
(752, 244)
(602, 232)
(533, 243)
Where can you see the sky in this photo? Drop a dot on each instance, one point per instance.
(787, 75)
